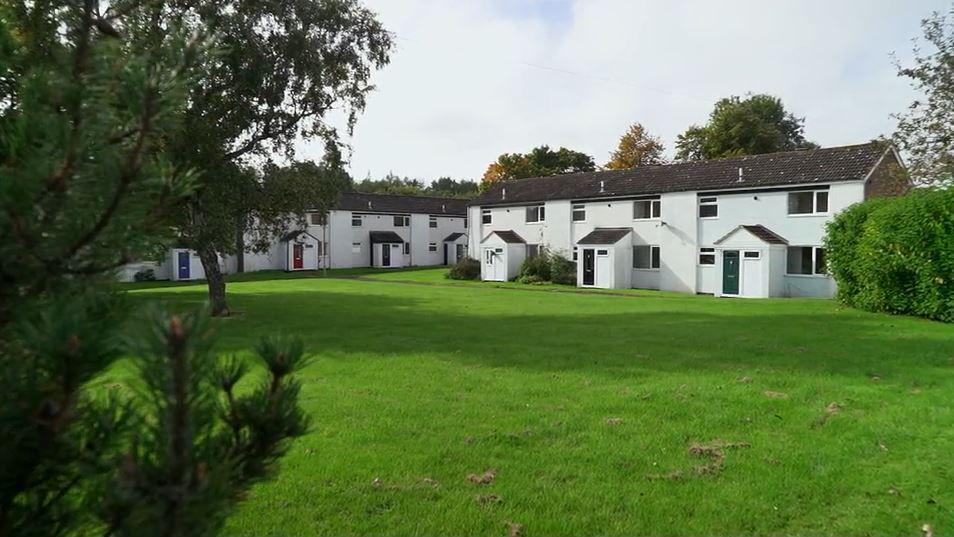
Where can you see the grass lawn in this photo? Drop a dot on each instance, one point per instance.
(588, 407)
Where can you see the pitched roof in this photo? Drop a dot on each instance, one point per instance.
(386, 203)
(291, 235)
(605, 235)
(846, 163)
(385, 236)
(453, 237)
(508, 236)
(761, 232)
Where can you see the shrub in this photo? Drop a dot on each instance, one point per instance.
(467, 268)
(562, 270)
(536, 268)
(896, 255)
(145, 275)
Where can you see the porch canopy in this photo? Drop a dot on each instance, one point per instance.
(386, 237)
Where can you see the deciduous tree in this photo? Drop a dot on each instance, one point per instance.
(540, 161)
(925, 131)
(636, 148)
(751, 126)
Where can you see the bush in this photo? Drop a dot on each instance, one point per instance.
(896, 255)
(535, 269)
(467, 268)
(145, 275)
(562, 270)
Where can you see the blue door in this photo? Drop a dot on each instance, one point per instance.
(183, 265)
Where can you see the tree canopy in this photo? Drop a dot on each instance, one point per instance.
(540, 161)
(754, 125)
(636, 148)
(395, 184)
(925, 131)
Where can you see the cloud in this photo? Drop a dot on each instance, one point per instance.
(470, 80)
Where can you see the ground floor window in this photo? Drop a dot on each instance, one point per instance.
(356, 247)
(576, 253)
(407, 248)
(645, 257)
(432, 247)
(533, 250)
(806, 260)
(707, 256)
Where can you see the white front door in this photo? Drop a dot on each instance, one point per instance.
(495, 268)
(752, 274)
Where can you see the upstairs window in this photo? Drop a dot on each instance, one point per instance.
(707, 256)
(317, 219)
(486, 217)
(646, 209)
(432, 222)
(807, 260)
(579, 213)
(536, 213)
(402, 221)
(708, 207)
(356, 220)
(646, 257)
(810, 202)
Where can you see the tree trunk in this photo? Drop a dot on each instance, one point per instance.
(216, 281)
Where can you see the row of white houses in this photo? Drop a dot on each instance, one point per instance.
(363, 230)
(749, 226)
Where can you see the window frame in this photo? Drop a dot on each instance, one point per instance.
(814, 262)
(707, 252)
(708, 201)
(655, 257)
(577, 208)
(357, 218)
(405, 221)
(356, 247)
(815, 194)
(536, 248)
(486, 216)
(539, 210)
(407, 248)
(432, 247)
(317, 219)
(432, 222)
(576, 253)
(747, 254)
(655, 209)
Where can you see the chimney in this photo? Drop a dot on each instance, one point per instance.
(369, 204)
(602, 186)
(503, 193)
(740, 175)
(443, 208)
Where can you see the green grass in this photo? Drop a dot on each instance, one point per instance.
(578, 399)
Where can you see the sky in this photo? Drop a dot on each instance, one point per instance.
(471, 79)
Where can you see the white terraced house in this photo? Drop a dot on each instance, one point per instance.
(363, 230)
(750, 226)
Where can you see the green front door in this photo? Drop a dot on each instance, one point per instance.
(730, 272)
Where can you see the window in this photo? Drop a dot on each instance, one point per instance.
(811, 202)
(646, 257)
(432, 247)
(602, 253)
(707, 256)
(806, 260)
(708, 207)
(645, 209)
(432, 222)
(356, 220)
(356, 247)
(535, 214)
(317, 219)
(752, 255)
(486, 217)
(402, 221)
(579, 213)
(576, 253)
(465, 223)
(533, 250)
(407, 248)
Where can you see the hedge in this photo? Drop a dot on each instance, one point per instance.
(896, 255)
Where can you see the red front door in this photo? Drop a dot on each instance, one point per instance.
(298, 255)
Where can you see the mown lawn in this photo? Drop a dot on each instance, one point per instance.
(588, 406)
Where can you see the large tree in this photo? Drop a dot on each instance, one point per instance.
(283, 66)
(751, 126)
(540, 161)
(636, 148)
(89, 95)
(926, 130)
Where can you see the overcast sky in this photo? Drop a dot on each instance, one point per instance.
(470, 79)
